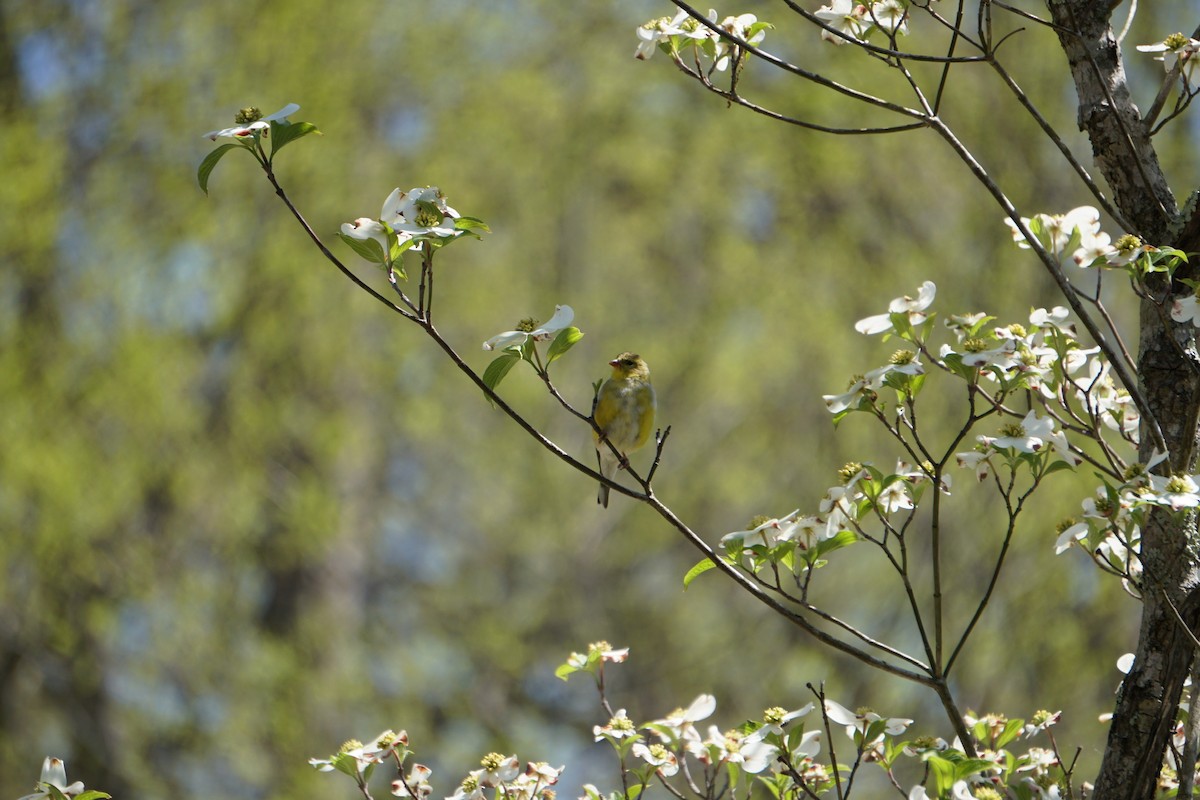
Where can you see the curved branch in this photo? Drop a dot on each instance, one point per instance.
(814, 77)
(884, 51)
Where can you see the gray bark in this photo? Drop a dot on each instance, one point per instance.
(1169, 373)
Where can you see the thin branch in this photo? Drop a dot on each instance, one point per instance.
(872, 642)
(814, 77)
(797, 619)
(326, 252)
(884, 51)
(1052, 134)
(778, 117)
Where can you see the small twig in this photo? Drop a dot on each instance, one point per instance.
(833, 762)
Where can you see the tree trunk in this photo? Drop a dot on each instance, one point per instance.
(1169, 371)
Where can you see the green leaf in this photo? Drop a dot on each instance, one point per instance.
(399, 247)
(701, 567)
(754, 29)
(836, 542)
(943, 774)
(1058, 466)
(210, 162)
(564, 671)
(471, 224)
(367, 248)
(1011, 731)
(496, 370)
(563, 342)
(284, 133)
(970, 766)
(92, 794)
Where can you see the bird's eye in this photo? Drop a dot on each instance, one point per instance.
(626, 362)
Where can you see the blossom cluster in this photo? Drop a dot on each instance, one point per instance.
(1078, 232)
(802, 542)
(405, 221)
(674, 34)
(786, 750)
(1175, 49)
(498, 776)
(849, 20)
(1071, 388)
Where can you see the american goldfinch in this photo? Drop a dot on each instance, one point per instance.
(625, 412)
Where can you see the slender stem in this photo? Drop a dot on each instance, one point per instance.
(1058, 142)
(327, 253)
(814, 77)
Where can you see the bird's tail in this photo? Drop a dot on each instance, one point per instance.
(608, 468)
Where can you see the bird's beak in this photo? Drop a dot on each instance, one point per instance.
(614, 363)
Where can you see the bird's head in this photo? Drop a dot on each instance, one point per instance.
(629, 365)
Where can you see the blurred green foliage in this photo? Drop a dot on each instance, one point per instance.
(246, 514)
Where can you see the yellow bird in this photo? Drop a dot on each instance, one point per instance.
(625, 412)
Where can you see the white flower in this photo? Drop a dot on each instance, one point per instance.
(1031, 436)
(1054, 318)
(776, 719)
(976, 353)
(1094, 248)
(1057, 230)
(1070, 537)
(913, 306)
(906, 362)
(682, 721)
(539, 772)
(890, 15)
(859, 722)
(753, 755)
(1175, 47)
(365, 228)
(415, 785)
(1173, 491)
(421, 212)
(498, 769)
(619, 727)
(739, 27)
(657, 31)
(858, 391)
(658, 756)
(977, 461)
(250, 120)
(374, 752)
(563, 315)
(894, 498)
(54, 774)
(470, 788)
(845, 16)
(768, 533)
(810, 530)
(649, 35)
(1186, 309)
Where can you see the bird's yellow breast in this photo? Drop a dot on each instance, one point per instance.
(625, 412)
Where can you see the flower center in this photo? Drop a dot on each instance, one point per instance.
(247, 115)
(428, 215)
